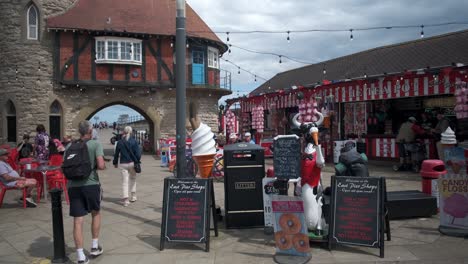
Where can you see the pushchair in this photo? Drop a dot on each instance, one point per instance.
(414, 156)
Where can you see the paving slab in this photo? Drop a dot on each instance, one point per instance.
(132, 234)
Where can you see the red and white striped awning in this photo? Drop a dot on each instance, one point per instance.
(389, 87)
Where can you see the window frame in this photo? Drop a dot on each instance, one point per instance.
(29, 25)
(135, 45)
(213, 58)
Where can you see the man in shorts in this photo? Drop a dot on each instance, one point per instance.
(85, 196)
(10, 178)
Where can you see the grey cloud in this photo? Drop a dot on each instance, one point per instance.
(319, 14)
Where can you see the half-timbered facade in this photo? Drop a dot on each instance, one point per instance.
(64, 61)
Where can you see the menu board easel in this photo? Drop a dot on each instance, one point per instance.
(287, 157)
(186, 211)
(358, 215)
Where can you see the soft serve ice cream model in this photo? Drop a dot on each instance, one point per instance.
(448, 138)
(203, 145)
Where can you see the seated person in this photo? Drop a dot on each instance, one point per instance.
(351, 163)
(25, 149)
(11, 178)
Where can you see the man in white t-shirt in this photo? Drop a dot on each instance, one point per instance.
(10, 178)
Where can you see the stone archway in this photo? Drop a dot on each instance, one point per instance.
(149, 113)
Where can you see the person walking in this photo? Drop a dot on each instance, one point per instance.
(129, 152)
(41, 143)
(86, 195)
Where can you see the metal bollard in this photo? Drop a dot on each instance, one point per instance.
(57, 225)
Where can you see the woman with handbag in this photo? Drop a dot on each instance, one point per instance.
(129, 152)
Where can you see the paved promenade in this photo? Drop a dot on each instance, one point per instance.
(131, 234)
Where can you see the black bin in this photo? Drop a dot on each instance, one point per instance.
(244, 169)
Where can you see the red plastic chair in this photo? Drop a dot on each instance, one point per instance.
(3, 190)
(55, 160)
(35, 175)
(56, 179)
(12, 158)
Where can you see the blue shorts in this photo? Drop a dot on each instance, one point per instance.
(84, 199)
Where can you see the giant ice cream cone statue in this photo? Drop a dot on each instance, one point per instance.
(448, 138)
(203, 144)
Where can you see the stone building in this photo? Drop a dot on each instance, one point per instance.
(65, 60)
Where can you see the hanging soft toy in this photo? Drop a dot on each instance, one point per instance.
(312, 164)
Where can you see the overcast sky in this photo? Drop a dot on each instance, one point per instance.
(284, 15)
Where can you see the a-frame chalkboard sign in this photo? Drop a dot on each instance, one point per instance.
(357, 215)
(287, 157)
(186, 211)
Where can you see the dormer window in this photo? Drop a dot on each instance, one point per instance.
(118, 50)
(32, 22)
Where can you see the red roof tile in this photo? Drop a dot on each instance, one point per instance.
(140, 16)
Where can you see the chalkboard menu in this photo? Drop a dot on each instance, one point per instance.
(287, 157)
(357, 216)
(186, 205)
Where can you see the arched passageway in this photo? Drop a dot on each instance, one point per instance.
(110, 119)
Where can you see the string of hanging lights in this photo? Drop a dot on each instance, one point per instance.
(354, 29)
(240, 68)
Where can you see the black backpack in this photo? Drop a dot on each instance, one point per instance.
(76, 163)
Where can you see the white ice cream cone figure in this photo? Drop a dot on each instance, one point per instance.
(203, 144)
(448, 138)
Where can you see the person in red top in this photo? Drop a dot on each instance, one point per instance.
(417, 129)
(406, 135)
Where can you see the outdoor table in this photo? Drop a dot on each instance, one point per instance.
(33, 161)
(43, 169)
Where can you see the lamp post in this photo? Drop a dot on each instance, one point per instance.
(181, 163)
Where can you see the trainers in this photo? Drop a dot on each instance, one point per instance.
(133, 198)
(84, 261)
(126, 202)
(96, 251)
(30, 202)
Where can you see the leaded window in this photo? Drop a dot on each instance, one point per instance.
(118, 50)
(32, 22)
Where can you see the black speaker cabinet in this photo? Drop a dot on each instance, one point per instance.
(244, 169)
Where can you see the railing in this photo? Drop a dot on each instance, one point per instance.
(225, 79)
(140, 136)
(130, 120)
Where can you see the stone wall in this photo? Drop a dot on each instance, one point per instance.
(31, 87)
(33, 90)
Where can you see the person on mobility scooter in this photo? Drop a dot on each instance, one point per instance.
(411, 152)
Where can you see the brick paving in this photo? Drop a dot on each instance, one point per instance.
(131, 234)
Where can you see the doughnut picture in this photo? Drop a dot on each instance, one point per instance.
(301, 243)
(283, 240)
(290, 224)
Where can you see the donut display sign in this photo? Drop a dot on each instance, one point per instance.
(289, 226)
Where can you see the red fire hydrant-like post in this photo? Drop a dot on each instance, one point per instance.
(431, 170)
